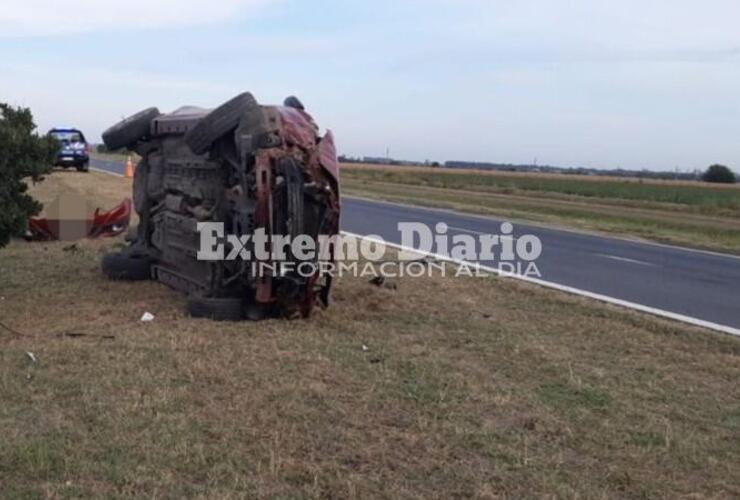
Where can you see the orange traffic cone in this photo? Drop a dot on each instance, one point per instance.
(128, 170)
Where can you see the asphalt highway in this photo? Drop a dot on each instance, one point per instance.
(700, 285)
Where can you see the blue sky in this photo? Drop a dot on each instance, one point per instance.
(596, 83)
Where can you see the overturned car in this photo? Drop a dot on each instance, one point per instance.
(248, 167)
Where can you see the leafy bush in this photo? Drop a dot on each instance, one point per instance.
(23, 154)
(719, 174)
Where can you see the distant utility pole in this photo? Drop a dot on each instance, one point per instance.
(388, 153)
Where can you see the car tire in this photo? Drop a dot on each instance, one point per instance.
(219, 122)
(126, 132)
(217, 309)
(127, 267)
(85, 167)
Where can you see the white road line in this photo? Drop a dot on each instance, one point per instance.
(513, 238)
(555, 286)
(625, 259)
(466, 230)
(569, 230)
(567, 289)
(472, 231)
(490, 219)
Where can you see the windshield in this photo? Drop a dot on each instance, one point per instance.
(68, 137)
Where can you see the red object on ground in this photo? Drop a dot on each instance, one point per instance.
(112, 222)
(106, 224)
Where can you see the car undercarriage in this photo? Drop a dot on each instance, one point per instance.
(246, 166)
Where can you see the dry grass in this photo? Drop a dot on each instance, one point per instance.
(692, 215)
(541, 175)
(102, 190)
(116, 156)
(469, 388)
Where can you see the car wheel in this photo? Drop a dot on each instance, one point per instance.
(217, 309)
(219, 122)
(85, 167)
(127, 267)
(126, 132)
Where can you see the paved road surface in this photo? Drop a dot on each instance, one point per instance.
(700, 285)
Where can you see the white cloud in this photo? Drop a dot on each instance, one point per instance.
(588, 28)
(57, 17)
(83, 98)
(574, 82)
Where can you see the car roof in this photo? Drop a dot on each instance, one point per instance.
(66, 129)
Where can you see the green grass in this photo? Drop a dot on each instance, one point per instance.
(564, 397)
(706, 199)
(468, 388)
(680, 224)
(115, 156)
(543, 395)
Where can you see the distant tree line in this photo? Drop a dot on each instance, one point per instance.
(373, 160)
(619, 172)
(719, 174)
(715, 173)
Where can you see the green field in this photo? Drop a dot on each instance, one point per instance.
(683, 213)
(702, 198)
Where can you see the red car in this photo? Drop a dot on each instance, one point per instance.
(251, 169)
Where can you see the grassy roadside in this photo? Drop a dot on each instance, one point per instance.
(115, 156)
(710, 199)
(467, 388)
(684, 214)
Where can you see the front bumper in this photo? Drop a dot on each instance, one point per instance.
(71, 159)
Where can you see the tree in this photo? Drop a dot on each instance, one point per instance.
(23, 155)
(720, 174)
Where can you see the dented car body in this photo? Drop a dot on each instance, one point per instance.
(246, 166)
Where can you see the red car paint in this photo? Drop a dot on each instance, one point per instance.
(105, 224)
